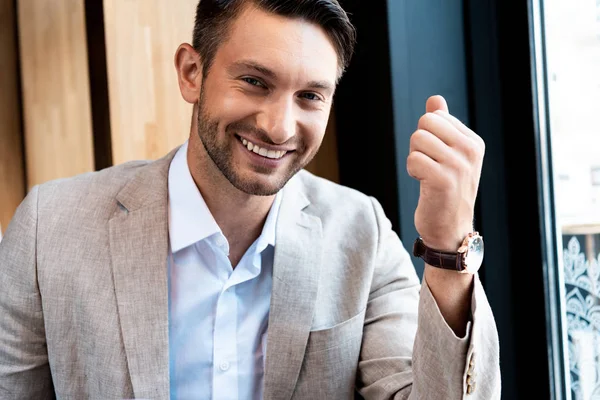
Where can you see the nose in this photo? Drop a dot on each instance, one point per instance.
(277, 118)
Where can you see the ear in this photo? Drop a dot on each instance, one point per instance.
(189, 72)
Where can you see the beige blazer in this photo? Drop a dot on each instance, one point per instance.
(84, 313)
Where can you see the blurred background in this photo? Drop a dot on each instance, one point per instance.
(86, 84)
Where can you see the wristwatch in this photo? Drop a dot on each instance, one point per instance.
(467, 259)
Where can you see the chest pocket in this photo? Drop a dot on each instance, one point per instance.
(331, 360)
(337, 335)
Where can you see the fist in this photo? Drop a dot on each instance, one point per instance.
(446, 158)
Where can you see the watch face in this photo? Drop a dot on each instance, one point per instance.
(474, 256)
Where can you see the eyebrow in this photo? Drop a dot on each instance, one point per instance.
(272, 75)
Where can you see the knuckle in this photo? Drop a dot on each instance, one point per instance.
(464, 168)
(410, 163)
(414, 139)
(413, 160)
(472, 150)
(418, 135)
(425, 119)
(458, 165)
(412, 156)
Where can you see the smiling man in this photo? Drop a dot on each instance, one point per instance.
(226, 271)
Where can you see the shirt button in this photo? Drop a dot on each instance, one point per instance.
(471, 388)
(224, 366)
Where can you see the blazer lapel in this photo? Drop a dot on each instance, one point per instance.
(296, 269)
(139, 249)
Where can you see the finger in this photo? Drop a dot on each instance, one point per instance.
(427, 143)
(442, 128)
(422, 167)
(457, 124)
(435, 103)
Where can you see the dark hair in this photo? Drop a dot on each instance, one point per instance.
(214, 18)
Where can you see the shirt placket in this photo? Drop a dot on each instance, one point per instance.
(225, 357)
(225, 361)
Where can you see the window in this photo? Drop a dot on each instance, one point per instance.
(568, 79)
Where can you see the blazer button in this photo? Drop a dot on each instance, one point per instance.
(471, 388)
(470, 380)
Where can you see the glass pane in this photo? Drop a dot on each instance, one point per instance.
(572, 59)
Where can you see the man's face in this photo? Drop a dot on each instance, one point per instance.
(265, 102)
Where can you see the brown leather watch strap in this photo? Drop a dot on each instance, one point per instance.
(440, 259)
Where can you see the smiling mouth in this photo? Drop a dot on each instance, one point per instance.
(270, 154)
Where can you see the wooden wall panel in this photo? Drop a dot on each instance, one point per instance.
(12, 175)
(55, 84)
(148, 115)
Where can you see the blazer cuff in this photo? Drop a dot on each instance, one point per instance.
(428, 307)
(439, 356)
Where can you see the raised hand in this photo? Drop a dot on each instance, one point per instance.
(446, 157)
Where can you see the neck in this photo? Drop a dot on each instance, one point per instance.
(240, 216)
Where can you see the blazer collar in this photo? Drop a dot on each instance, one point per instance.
(139, 251)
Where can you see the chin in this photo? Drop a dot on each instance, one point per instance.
(259, 186)
(260, 181)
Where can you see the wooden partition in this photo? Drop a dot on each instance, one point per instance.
(12, 175)
(55, 85)
(147, 113)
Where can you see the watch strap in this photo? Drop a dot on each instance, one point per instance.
(436, 258)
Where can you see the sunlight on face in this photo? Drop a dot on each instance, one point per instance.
(265, 102)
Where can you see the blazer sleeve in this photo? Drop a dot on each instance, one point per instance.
(24, 369)
(408, 350)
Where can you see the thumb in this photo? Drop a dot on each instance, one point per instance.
(435, 103)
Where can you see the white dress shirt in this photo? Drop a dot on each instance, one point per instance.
(217, 315)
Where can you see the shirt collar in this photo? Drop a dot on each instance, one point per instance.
(190, 220)
(267, 236)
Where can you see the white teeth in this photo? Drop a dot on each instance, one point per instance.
(274, 154)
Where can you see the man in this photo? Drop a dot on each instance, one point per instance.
(225, 271)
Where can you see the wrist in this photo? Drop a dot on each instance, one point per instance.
(447, 243)
(447, 278)
(452, 293)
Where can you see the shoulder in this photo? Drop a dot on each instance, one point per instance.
(82, 203)
(337, 203)
(90, 189)
(94, 196)
(322, 190)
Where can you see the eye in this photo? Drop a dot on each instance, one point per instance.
(310, 96)
(253, 82)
